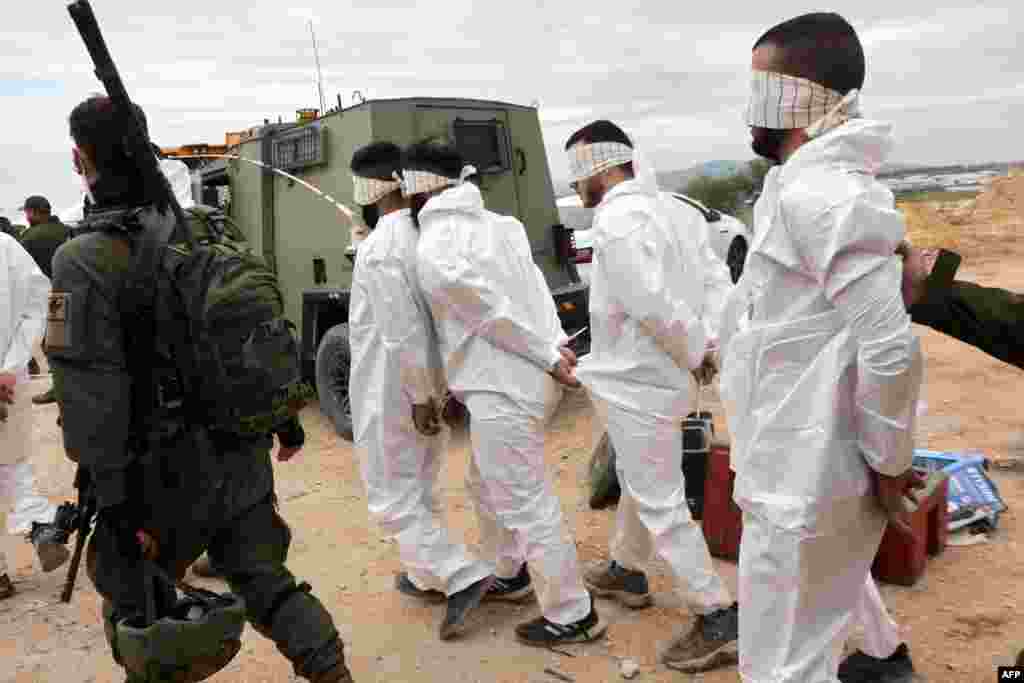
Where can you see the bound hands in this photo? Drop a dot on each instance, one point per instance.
(427, 417)
(563, 370)
(891, 492)
(708, 367)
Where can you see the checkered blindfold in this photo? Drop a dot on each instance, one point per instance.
(586, 160)
(786, 102)
(421, 182)
(368, 191)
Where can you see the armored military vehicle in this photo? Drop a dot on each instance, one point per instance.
(308, 242)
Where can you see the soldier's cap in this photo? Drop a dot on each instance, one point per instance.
(36, 202)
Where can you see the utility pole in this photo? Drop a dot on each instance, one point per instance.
(319, 75)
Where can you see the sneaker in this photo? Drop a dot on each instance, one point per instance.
(204, 567)
(6, 587)
(710, 644)
(45, 397)
(544, 633)
(612, 580)
(863, 668)
(516, 589)
(461, 604)
(50, 542)
(404, 585)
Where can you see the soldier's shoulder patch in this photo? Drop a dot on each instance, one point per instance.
(58, 321)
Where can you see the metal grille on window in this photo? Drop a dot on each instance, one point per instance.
(300, 148)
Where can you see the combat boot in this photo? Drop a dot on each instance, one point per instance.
(339, 674)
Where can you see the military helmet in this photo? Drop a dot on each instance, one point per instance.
(198, 637)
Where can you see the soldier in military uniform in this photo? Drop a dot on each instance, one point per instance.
(45, 233)
(162, 498)
(988, 318)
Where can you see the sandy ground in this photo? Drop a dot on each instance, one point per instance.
(961, 619)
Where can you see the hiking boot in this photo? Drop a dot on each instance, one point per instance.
(204, 567)
(461, 604)
(612, 580)
(863, 668)
(543, 633)
(6, 587)
(516, 589)
(710, 644)
(47, 396)
(404, 585)
(33, 367)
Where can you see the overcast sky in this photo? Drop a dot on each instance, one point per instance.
(674, 75)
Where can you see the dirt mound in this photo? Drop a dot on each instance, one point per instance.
(927, 226)
(1005, 194)
(990, 221)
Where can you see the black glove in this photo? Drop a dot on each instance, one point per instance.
(123, 521)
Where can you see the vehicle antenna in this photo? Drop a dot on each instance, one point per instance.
(319, 74)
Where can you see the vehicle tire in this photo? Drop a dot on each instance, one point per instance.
(333, 361)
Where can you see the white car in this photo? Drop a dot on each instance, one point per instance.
(730, 237)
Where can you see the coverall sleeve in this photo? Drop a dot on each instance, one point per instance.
(717, 285)
(636, 277)
(988, 318)
(87, 355)
(472, 296)
(25, 276)
(849, 249)
(403, 326)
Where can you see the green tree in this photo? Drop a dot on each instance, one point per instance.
(725, 194)
(758, 169)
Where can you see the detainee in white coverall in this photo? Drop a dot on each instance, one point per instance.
(24, 292)
(821, 382)
(647, 296)
(502, 344)
(395, 384)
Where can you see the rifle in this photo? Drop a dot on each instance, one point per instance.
(83, 525)
(136, 138)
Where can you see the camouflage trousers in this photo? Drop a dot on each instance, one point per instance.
(251, 549)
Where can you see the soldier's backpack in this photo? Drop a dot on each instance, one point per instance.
(236, 355)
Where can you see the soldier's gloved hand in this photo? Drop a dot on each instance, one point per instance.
(426, 417)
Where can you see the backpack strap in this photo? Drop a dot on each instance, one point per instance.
(138, 319)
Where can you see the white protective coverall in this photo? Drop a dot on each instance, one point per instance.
(820, 385)
(24, 291)
(395, 364)
(177, 173)
(647, 297)
(500, 333)
(696, 235)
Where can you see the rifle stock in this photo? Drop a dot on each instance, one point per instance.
(86, 509)
(136, 138)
